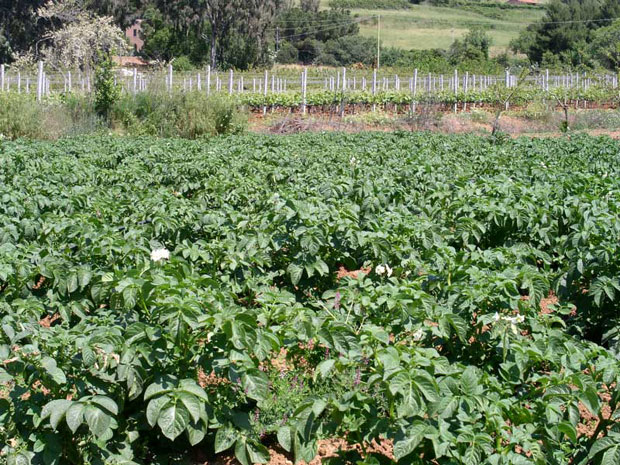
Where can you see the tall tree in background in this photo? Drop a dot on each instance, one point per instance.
(567, 27)
(310, 5)
(221, 16)
(78, 36)
(124, 12)
(20, 27)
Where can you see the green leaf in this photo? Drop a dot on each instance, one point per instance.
(191, 403)
(173, 420)
(257, 453)
(88, 357)
(225, 438)
(162, 385)
(49, 364)
(325, 367)
(568, 429)
(470, 382)
(602, 445)
(106, 403)
(255, 384)
(241, 452)
(72, 283)
(408, 443)
(318, 406)
(195, 433)
(153, 409)
(611, 456)
(426, 384)
(189, 385)
(285, 438)
(295, 272)
(98, 421)
(20, 458)
(75, 416)
(56, 411)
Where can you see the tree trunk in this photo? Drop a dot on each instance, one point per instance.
(213, 50)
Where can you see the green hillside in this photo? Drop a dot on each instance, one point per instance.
(424, 26)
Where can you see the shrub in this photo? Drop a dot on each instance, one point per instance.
(20, 116)
(188, 115)
(106, 90)
(287, 54)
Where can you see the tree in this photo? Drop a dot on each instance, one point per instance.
(605, 46)
(20, 27)
(566, 25)
(221, 16)
(310, 5)
(80, 35)
(473, 47)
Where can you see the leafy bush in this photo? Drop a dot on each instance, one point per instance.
(107, 91)
(190, 115)
(20, 116)
(288, 54)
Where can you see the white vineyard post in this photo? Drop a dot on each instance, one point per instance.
(465, 88)
(19, 82)
(374, 87)
(39, 81)
(230, 82)
(135, 81)
(198, 83)
(456, 87)
(208, 79)
(415, 89)
(265, 93)
(344, 88)
(304, 84)
(170, 78)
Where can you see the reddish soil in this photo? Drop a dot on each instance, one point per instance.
(344, 273)
(327, 448)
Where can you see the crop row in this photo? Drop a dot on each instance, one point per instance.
(490, 96)
(455, 295)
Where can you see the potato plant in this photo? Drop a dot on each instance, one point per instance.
(456, 295)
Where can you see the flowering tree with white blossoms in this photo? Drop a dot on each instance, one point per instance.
(79, 37)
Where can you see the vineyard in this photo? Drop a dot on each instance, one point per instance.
(456, 298)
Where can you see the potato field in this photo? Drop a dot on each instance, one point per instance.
(454, 297)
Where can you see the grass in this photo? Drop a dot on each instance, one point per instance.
(424, 26)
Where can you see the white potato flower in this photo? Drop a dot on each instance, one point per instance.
(384, 270)
(160, 254)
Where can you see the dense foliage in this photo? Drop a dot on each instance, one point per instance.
(566, 32)
(159, 294)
